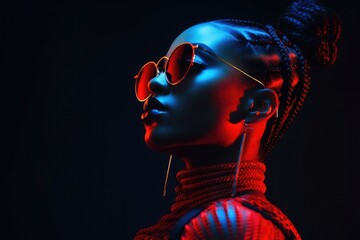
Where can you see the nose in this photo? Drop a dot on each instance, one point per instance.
(158, 85)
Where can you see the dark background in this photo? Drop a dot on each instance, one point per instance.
(73, 161)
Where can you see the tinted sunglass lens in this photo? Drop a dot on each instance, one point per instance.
(179, 63)
(145, 75)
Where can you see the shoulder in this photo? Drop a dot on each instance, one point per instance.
(232, 218)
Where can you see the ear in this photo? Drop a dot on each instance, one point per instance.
(265, 103)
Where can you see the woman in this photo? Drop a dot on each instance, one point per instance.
(220, 100)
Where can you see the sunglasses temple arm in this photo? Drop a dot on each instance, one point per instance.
(233, 66)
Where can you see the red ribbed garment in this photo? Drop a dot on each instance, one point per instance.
(247, 216)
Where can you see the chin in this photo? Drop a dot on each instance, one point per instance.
(156, 143)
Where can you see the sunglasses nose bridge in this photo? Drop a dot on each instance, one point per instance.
(161, 64)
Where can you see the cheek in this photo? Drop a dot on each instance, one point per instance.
(196, 117)
(209, 104)
(227, 99)
(199, 115)
(224, 92)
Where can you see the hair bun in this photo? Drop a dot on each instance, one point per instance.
(314, 28)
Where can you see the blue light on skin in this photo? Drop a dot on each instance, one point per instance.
(198, 107)
(196, 125)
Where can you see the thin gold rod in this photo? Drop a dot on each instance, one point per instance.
(246, 74)
(167, 176)
(233, 66)
(234, 186)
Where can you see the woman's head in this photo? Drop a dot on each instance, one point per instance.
(242, 72)
(199, 109)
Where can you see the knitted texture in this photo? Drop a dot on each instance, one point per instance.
(230, 219)
(201, 186)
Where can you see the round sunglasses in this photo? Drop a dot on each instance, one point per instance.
(176, 67)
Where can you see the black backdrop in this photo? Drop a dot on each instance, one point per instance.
(73, 161)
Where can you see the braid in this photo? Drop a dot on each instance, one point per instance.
(315, 29)
(307, 33)
(295, 92)
(291, 108)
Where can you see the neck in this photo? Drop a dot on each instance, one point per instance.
(205, 155)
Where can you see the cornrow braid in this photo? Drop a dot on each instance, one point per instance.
(288, 100)
(298, 101)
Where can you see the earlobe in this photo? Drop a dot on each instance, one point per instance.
(265, 104)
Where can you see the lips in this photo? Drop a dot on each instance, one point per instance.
(153, 103)
(152, 109)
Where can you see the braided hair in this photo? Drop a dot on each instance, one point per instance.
(306, 35)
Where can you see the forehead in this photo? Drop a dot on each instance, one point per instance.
(216, 39)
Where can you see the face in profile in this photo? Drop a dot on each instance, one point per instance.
(194, 109)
